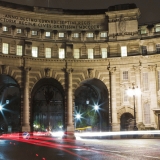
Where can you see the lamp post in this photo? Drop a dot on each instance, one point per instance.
(134, 91)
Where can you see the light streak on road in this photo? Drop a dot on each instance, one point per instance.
(97, 134)
(90, 134)
(49, 142)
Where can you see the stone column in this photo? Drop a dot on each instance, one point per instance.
(25, 121)
(153, 93)
(70, 125)
(138, 106)
(42, 33)
(69, 35)
(55, 35)
(115, 124)
(13, 30)
(28, 32)
(83, 36)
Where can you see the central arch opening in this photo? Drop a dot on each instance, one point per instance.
(48, 106)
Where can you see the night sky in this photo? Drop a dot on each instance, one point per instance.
(150, 9)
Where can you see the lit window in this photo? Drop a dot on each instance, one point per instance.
(158, 48)
(157, 29)
(145, 81)
(103, 34)
(34, 51)
(5, 48)
(123, 51)
(19, 30)
(61, 34)
(76, 53)
(48, 34)
(143, 31)
(90, 35)
(34, 33)
(125, 75)
(48, 52)
(144, 50)
(76, 35)
(90, 53)
(61, 53)
(19, 50)
(104, 52)
(5, 29)
(147, 119)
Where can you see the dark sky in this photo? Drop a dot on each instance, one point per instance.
(150, 9)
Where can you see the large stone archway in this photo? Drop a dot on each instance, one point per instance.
(10, 102)
(92, 92)
(47, 105)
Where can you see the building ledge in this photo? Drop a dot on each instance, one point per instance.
(156, 110)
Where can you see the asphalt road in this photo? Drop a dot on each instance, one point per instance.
(83, 149)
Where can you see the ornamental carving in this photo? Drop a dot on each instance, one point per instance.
(112, 69)
(146, 100)
(152, 67)
(4, 69)
(90, 72)
(27, 69)
(69, 70)
(137, 69)
(47, 72)
(122, 25)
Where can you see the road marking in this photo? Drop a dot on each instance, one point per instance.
(106, 150)
(151, 157)
(80, 149)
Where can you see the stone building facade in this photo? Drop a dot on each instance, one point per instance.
(105, 50)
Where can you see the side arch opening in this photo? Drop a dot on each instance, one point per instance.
(92, 105)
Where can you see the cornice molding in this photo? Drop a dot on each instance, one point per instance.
(121, 60)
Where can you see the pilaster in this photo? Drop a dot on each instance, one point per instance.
(25, 121)
(139, 116)
(69, 134)
(153, 93)
(115, 124)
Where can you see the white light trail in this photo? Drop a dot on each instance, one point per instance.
(97, 134)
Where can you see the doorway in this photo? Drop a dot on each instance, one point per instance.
(127, 121)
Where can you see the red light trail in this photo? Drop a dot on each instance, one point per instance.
(49, 142)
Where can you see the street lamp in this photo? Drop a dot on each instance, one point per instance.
(1, 108)
(134, 91)
(96, 108)
(77, 117)
(87, 101)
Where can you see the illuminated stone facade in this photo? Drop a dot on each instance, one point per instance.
(74, 46)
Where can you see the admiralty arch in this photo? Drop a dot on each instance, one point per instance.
(55, 63)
